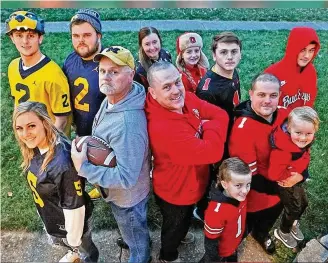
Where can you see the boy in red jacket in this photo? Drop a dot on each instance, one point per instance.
(296, 70)
(226, 213)
(290, 158)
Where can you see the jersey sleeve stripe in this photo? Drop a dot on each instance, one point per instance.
(213, 232)
(210, 228)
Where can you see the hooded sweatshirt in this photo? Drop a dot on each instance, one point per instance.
(286, 156)
(124, 127)
(298, 85)
(183, 147)
(224, 226)
(250, 142)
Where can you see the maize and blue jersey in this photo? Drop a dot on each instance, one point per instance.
(86, 97)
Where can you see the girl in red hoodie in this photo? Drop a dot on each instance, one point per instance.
(191, 61)
(289, 161)
(296, 71)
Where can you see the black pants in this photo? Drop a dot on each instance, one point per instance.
(260, 223)
(231, 258)
(176, 222)
(294, 200)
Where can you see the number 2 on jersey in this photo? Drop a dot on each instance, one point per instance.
(26, 96)
(31, 179)
(77, 101)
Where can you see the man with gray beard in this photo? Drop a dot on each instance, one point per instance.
(121, 122)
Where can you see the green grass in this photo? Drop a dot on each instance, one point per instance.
(240, 14)
(260, 49)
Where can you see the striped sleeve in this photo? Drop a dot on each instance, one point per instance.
(214, 220)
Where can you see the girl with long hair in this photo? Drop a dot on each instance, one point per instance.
(58, 192)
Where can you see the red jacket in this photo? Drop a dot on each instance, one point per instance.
(182, 147)
(249, 140)
(225, 219)
(286, 156)
(299, 86)
(191, 81)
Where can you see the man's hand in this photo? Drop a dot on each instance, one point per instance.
(78, 157)
(292, 180)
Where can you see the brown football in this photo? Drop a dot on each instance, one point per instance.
(98, 151)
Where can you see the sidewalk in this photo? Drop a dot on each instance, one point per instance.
(186, 25)
(32, 247)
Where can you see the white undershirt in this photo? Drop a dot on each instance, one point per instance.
(26, 68)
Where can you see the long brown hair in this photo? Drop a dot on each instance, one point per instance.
(53, 136)
(143, 58)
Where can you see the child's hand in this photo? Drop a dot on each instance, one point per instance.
(291, 180)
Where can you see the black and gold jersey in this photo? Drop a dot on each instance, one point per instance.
(57, 188)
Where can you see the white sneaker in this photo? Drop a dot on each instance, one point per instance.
(71, 257)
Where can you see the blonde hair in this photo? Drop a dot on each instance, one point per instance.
(180, 63)
(53, 136)
(304, 113)
(229, 165)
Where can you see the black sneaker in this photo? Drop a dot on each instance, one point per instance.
(268, 245)
(121, 243)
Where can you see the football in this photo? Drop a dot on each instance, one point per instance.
(98, 151)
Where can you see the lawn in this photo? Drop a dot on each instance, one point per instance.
(240, 14)
(260, 49)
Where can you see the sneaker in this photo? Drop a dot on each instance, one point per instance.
(121, 243)
(268, 245)
(286, 238)
(197, 216)
(94, 194)
(188, 239)
(71, 256)
(296, 232)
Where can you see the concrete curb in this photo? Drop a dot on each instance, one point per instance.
(186, 25)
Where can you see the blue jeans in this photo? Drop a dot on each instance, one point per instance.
(132, 223)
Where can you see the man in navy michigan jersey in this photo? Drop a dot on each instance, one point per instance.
(81, 70)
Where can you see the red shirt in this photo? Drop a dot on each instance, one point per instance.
(191, 77)
(249, 141)
(225, 219)
(286, 157)
(182, 147)
(298, 86)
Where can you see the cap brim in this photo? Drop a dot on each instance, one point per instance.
(98, 57)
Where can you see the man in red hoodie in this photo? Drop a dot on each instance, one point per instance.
(296, 71)
(186, 134)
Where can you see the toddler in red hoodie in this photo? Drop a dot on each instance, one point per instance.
(191, 61)
(289, 161)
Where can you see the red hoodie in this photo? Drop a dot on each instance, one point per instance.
(286, 156)
(183, 147)
(191, 80)
(298, 86)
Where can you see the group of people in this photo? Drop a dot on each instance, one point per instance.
(233, 165)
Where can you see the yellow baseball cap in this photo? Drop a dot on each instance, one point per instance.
(119, 55)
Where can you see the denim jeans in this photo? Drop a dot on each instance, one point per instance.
(132, 222)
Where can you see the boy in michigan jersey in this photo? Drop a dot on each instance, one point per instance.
(34, 76)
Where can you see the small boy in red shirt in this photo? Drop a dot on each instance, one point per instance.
(225, 215)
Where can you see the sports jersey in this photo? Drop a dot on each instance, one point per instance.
(286, 156)
(57, 188)
(86, 97)
(45, 82)
(298, 85)
(250, 142)
(141, 74)
(224, 223)
(220, 91)
(191, 77)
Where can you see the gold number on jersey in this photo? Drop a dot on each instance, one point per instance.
(31, 179)
(26, 96)
(238, 226)
(78, 187)
(77, 101)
